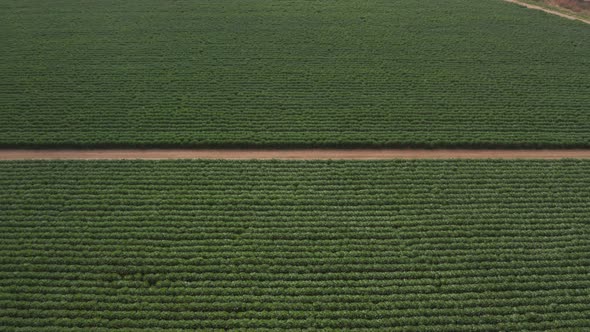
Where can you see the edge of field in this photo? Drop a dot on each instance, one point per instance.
(553, 9)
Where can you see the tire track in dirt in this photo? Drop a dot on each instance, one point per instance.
(289, 154)
(554, 12)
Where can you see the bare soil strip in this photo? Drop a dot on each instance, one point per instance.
(554, 12)
(295, 154)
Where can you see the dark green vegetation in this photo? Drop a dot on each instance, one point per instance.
(409, 245)
(291, 73)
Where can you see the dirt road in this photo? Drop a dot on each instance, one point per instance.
(554, 12)
(295, 154)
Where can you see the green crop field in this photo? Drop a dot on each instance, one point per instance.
(446, 73)
(402, 245)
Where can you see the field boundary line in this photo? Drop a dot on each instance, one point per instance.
(554, 12)
(287, 154)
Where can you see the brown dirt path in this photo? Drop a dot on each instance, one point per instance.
(554, 12)
(294, 154)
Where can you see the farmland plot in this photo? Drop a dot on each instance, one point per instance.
(263, 73)
(402, 245)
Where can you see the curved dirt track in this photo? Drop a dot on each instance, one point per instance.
(554, 12)
(294, 154)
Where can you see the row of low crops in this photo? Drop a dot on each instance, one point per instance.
(290, 73)
(402, 245)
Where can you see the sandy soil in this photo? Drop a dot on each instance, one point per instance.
(296, 154)
(554, 12)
